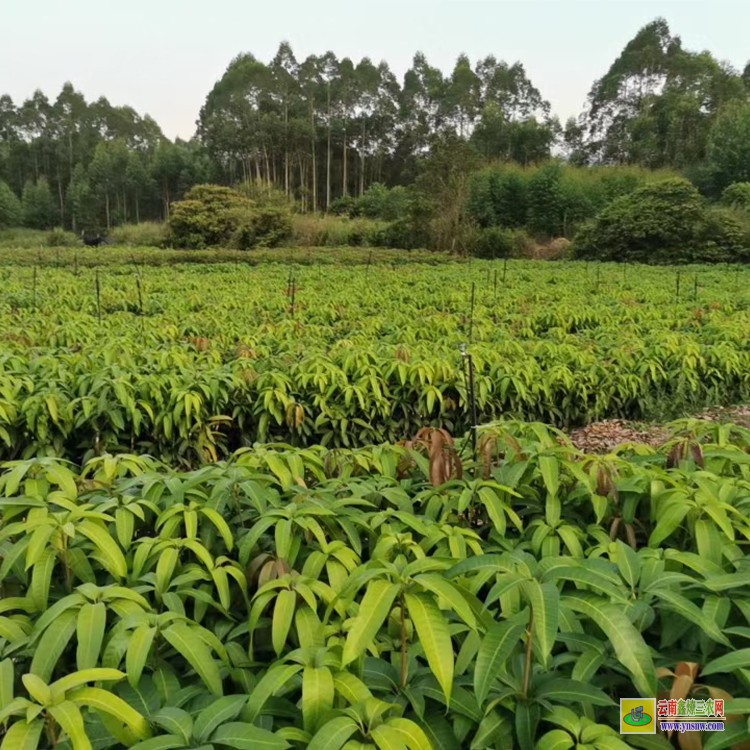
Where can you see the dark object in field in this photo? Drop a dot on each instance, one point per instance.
(90, 241)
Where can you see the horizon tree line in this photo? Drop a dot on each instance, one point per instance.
(324, 128)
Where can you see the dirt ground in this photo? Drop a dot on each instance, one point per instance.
(602, 437)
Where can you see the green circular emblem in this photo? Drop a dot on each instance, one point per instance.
(645, 720)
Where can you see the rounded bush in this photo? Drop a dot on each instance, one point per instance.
(662, 222)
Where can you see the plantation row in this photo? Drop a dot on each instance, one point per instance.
(391, 597)
(191, 363)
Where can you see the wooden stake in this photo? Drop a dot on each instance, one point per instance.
(98, 298)
(472, 400)
(293, 292)
(140, 295)
(471, 312)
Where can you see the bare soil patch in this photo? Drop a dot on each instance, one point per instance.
(605, 436)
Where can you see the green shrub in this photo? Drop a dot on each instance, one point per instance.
(546, 201)
(402, 234)
(377, 202)
(310, 230)
(343, 206)
(145, 234)
(725, 237)
(667, 221)
(21, 237)
(498, 196)
(380, 202)
(11, 213)
(262, 192)
(59, 237)
(40, 209)
(550, 199)
(262, 226)
(212, 216)
(499, 242)
(737, 195)
(326, 230)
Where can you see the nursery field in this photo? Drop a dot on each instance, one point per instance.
(241, 506)
(191, 362)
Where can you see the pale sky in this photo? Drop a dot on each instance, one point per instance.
(163, 56)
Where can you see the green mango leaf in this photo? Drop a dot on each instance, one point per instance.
(545, 607)
(105, 702)
(563, 690)
(496, 647)
(334, 734)
(52, 644)
(220, 711)
(139, 647)
(373, 611)
(241, 736)
(196, 653)
(23, 735)
(90, 626)
(317, 695)
(728, 663)
(412, 735)
(176, 721)
(68, 716)
(283, 614)
(628, 643)
(557, 739)
(273, 680)
(434, 637)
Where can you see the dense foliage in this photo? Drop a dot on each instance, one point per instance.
(212, 216)
(10, 207)
(393, 597)
(89, 165)
(552, 199)
(665, 221)
(323, 130)
(189, 362)
(658, 105)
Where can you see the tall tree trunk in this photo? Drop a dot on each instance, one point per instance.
(302, 183)
(314, 160)
(328, 155)
(286, 150)
(362, 157)
(60, 196)
(106, 208)
(345, 176)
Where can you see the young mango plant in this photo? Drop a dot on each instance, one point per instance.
(53, 712)
(417, 590)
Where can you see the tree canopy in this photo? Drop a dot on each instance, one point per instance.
(327, 128)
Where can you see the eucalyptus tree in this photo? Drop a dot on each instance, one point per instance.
(655, 104)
